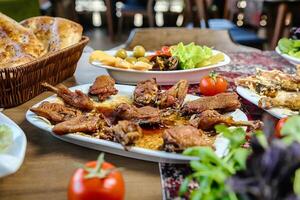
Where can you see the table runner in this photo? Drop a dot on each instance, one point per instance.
(242, 64)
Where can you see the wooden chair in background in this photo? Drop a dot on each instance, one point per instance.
(130, 9)
(239, 35)
(155, 38)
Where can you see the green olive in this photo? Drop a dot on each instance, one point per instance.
(144, 59)
(121, 53)
(139, 51)
(131, 60)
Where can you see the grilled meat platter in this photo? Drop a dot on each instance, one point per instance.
(151, 118)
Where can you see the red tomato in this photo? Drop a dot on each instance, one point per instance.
(166, 50)
(279, 126)
(110, 187)
(212, 85)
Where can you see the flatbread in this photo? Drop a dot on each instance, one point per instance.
(53, 32)
(17, 42)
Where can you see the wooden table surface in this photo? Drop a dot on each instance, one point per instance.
(49, 162)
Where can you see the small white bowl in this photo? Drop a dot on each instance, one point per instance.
(132, 77)
(12, 159)
(291, 59)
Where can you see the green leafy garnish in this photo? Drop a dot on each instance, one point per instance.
(211, 171)
(193, 56)
(290, 47)
(291, 130)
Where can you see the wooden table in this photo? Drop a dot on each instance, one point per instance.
(49, 162)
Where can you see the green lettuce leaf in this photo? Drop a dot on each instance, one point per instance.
(191, 56)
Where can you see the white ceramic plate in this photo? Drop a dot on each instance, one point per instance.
(116, 148)
(291, 59)
(254, 98)
(12, 158)
(131, 77)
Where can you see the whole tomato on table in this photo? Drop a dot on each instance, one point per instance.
(212, 84)
(97, 180)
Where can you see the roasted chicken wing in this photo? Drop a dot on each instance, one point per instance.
(76, 99)
(55, 112)
(88, 123)
(179, 138)
(209, 118)
(173, 97)
(127, 132)
(223, 102)
(145, 93)
(142, 115)
(103, 87)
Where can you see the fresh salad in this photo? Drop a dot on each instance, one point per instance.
(265, 168)
(176, 57)
(6, 137)
(291, 46)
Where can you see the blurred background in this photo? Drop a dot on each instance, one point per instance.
(108, 23)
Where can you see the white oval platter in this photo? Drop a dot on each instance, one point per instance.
(132, 77)
(254, 98)
(12, 158)
(116, 148)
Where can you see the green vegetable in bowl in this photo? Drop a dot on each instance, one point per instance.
(6, 137)
(290, 47)
(192, 56)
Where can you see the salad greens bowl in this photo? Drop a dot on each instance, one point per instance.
(289, 49)
(193, 75)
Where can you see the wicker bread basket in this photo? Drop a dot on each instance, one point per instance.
(20, 84)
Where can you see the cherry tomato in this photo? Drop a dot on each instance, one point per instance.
(279, 126)
(166, 50)
(105, 183)
(212, 85)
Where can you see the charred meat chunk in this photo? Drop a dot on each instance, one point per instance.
(179, 138)
(127, 132)
(143, 115)
(164, 63)
(103, 87)
(145, 93)
(88, 123)
(224, 102)
(173, 97)
(76, 99)
(55, 112)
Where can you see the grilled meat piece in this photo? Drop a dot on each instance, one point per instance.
(209, 118)
(55, 112)
(173, 97)
(145, 93)
(103, 87)
(88, 123)
(76, 99)
(224, 102)
(127, 132)
(283, 99)
(179, 138)
(164, 63)
(260, 86)
(143, 115)
(268, 83)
